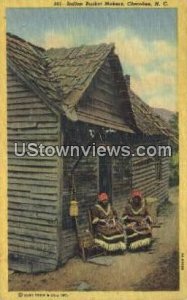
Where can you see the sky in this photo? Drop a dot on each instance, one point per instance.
(145, 40)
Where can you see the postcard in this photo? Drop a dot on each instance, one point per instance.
(93, 143)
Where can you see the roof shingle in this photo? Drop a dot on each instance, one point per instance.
(63, 75)
(146, 120)
(76, 67)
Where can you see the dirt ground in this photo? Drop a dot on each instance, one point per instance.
(156, 269)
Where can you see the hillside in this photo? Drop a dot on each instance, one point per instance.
(164, 113)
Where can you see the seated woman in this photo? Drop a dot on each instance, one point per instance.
(137, 223)
(109, 233)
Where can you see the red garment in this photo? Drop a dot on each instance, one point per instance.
(136, 193)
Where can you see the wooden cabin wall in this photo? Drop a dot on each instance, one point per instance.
(33, 183)
(145, 179)
(102, 104)
(86, 180)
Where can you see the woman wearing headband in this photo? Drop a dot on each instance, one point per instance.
(109, 233)
(137, 223)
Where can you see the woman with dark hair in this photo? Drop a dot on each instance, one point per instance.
(137, 223)
(109, 233)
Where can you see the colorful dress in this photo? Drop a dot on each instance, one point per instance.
(109, 233)
(137, 226)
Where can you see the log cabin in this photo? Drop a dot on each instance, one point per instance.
(67, 97)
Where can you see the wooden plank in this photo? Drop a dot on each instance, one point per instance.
(12, 82)
(97, 106)
(17, 89)
(27, 266)
(23, 100)
(37, 118)
(105, 98)
(146, 190)
(41, 177)
(106, 72)
(39, 228)
(111, 105)
(16, 125)
(15, 264)
(23, 200)
(103, 112)
(37, 182)
(34, 163)
(26, 169)
(47, 125)
(165, 176)
(11, 76)
(165, 168)
(36, 131)
(12, 156)
(29, 112)
(33, 233)
(106, 88)
(19, 145)
(25, 106)
(33, 201)
(18, 187)
(32, 195)
(142, 183)
(32, 215)
(33, 245)
(24, 194)
(145, 176)
(44, 197)
(147, 181)
(108, 79)
(34, 240)
(144, 170)
(33, 207)
(35, 261)
(28, 220)
(21, 94)
(85, 116)
(42, 256)
(33, 137)
(33, 189)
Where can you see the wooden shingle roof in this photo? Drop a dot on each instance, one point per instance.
(75, 67)
(58, 75)
(30, 64)
(146, 120)
(61, 76)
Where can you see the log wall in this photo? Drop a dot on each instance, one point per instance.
(33, 182)
(102, 104)
(145, 177)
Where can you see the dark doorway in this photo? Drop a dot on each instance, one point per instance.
(105, 175)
